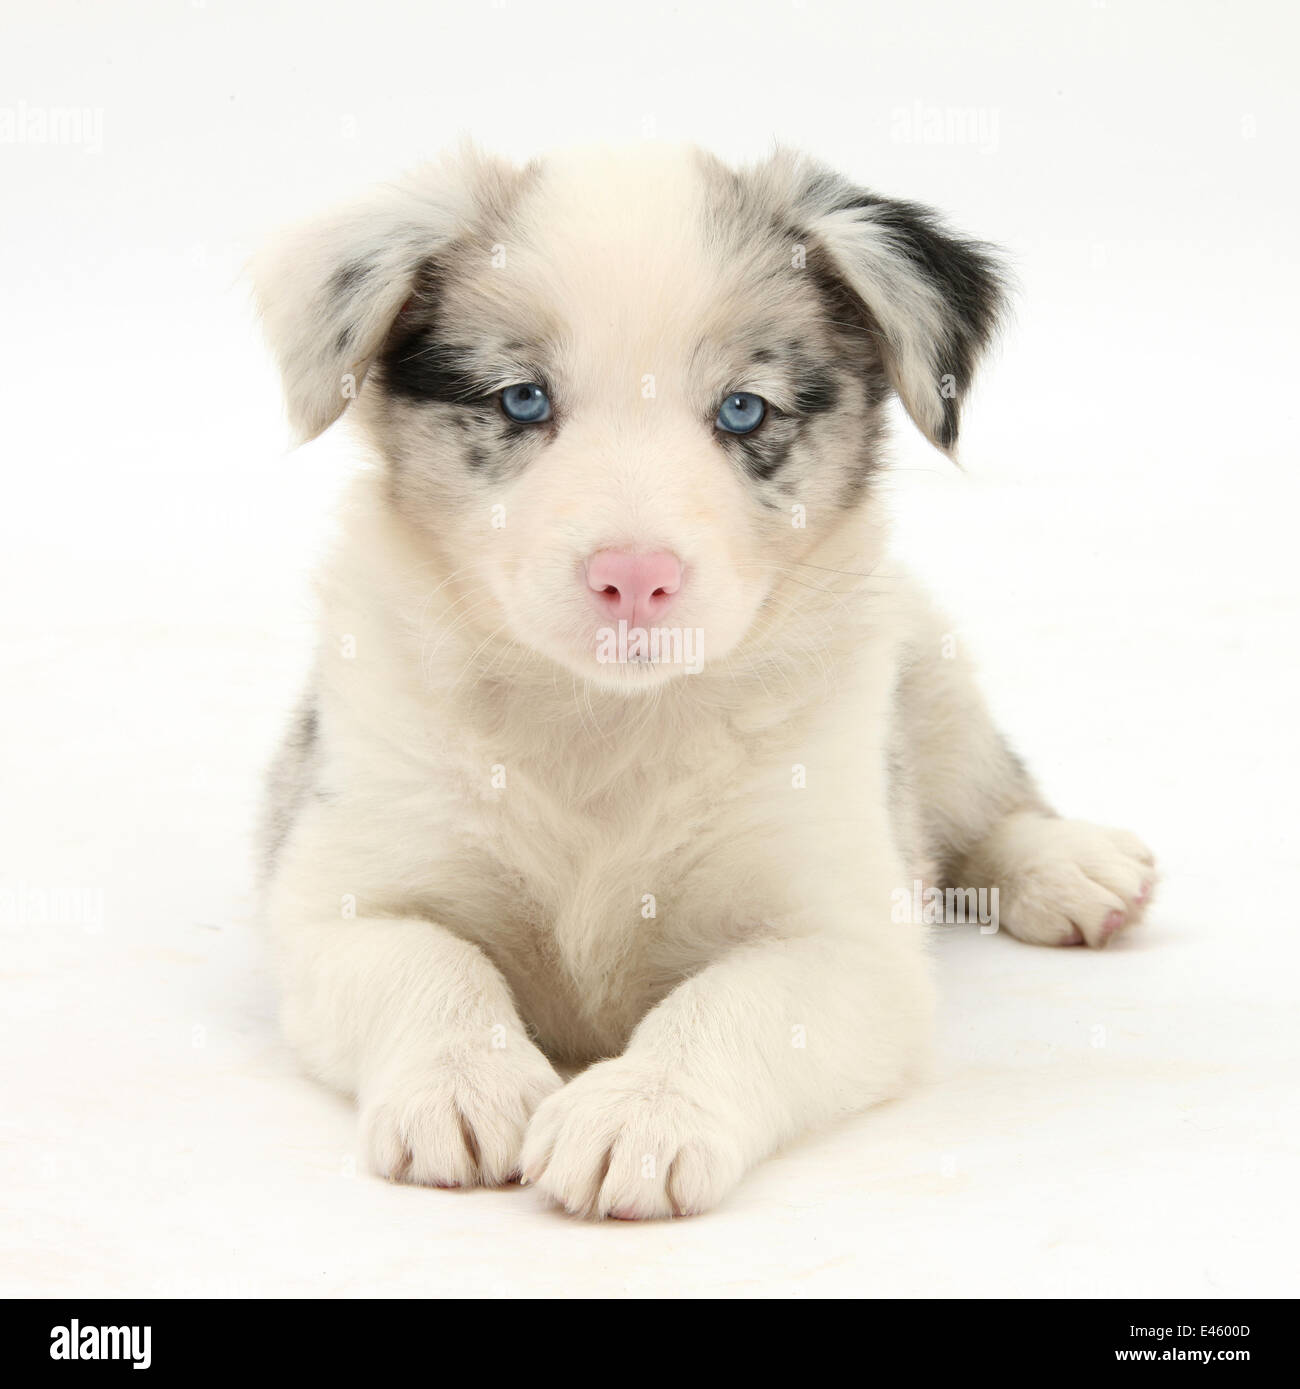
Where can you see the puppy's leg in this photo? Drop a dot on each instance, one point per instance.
(1059, 882)
(776, 1036)
(419, 1025)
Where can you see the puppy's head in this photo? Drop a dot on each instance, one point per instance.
(625, 396)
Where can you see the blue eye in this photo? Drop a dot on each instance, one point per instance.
(741, 413)
(526, 403)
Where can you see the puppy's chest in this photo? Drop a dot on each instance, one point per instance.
(596, 883)
(602, 830)
(600, 872)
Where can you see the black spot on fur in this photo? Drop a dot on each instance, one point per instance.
(875, 389)
(765, 463)
(349, 278)
(859, 355)
(512, 431)
(420, 367)
(291, 780)
(767, 450)
(815, 394)
(846, 314)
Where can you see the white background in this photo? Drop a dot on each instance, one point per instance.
(1119, 550)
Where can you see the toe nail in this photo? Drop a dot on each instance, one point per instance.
(1111, 924)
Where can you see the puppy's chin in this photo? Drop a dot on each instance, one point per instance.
(632, 678)
(622, 663)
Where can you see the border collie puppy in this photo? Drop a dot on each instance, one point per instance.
(625, 738)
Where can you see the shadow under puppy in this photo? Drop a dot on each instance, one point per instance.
(624, 736)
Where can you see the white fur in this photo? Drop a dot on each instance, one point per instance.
(504, 858)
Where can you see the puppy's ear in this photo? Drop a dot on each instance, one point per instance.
(935, 298)
(330, 290)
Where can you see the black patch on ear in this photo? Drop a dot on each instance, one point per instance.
(349, 278)
(964, 274)
(343, 286)
(947, 435)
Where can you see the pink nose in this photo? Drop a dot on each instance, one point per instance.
(636, 589)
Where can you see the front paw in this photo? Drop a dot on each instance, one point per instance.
(1067, 882)
(622, 1140)
(457, 1119)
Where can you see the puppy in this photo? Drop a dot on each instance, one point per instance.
(624, 738)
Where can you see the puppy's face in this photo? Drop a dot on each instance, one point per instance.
(624, 397)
